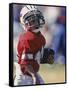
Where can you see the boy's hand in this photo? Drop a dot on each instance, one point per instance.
(48, 56)
(50, 59)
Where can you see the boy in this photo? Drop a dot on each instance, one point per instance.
(31, 47)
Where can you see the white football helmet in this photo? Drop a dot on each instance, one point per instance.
(31, 17)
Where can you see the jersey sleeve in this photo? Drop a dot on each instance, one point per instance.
(22, 48)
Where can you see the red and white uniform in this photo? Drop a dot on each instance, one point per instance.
(30, 45)
(29, 49)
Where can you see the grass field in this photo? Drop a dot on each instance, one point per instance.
(52, 73)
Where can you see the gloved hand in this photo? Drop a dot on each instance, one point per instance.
(48, 56)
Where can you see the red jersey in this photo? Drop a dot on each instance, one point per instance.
(29, 44)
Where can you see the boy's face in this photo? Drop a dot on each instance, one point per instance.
(32, 23)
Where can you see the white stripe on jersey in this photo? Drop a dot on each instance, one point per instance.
(27, 56)
(36, 57)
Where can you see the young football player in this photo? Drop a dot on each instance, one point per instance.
(30, 47)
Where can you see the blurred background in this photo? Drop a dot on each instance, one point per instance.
(54, 32)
